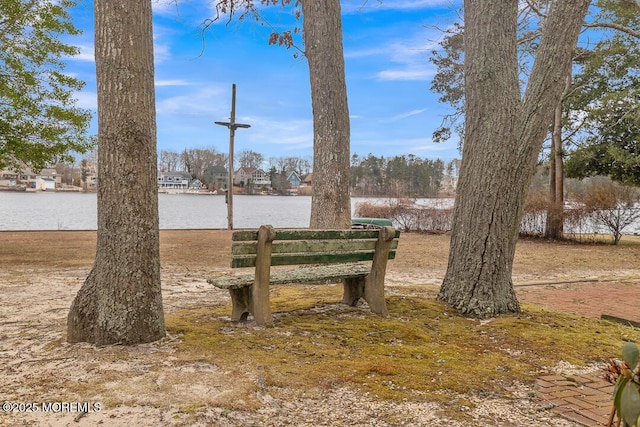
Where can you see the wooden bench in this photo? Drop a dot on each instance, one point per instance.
(336, 253)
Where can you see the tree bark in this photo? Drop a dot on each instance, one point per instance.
(503, 136)
(555, 213)
(550, 228)
(121, 301)
(322, 27)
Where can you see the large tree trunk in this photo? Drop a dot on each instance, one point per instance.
(322, 26)
(503, 136)
(121, 301)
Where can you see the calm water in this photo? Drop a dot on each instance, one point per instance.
(78, 211)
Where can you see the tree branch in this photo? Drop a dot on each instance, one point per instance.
(536, 10)
(617, 27)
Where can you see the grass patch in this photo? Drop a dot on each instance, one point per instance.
(423, 351)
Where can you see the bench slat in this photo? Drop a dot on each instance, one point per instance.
(311, 246)
(318, 274)
(305, 234)
(302, 258)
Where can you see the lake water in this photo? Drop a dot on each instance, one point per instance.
(78, 211)
(21, 211)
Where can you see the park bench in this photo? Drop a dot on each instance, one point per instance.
(322, 256)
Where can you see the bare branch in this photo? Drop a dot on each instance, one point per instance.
(247, 8)
(614, 26)
(529, 37)
(536, 10)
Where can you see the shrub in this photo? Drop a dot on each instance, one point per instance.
(534, 214)
(626, 394)
(612, 206)
(409, 216)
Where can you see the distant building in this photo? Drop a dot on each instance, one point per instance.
(9, 178)
(196, 184)
(307, 181)
(216, 176)
(253, 176)
(174, 180)
(261, 178)
(47, 179)
(89, 171)
(294, 179)
(44, 183)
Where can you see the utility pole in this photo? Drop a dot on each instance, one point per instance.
(232, 125)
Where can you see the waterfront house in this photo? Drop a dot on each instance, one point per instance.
(9, 178)
(196, 184)
(174, 180)
(294, 179)
(47, 179)
(44, 183)
(242, 176)
(257, 177)
(216, 176)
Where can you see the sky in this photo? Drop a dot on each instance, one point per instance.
(387, 45)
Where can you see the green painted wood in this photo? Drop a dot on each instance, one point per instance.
(306, 234)
(370, 222)
(316, 274)
(311, 246)
(244, 236)
(242, 261)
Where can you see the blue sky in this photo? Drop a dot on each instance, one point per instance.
(386, 45)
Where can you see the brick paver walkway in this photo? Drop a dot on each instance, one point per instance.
(589, 299)
(583, 399)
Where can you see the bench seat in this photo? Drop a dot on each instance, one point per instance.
(304, 274)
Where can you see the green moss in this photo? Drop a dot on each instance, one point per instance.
(423, 351)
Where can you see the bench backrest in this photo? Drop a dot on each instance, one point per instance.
(293, 247)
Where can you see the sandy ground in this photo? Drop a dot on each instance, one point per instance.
(47, 382)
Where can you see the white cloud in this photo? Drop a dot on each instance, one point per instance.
(406, 74)
(411, 58)
(363, 53)
(423, 147)
(408, 114)
(86, 53)
(286, 135)
(88, 100)
(166, 83)
(165, 7)
(205, 101)
(360, 6)
(161, 52)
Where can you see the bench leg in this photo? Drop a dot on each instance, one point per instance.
(261, 303)
(242, 304)
(374, 285)
(374, 295)
(260, 293)
(353, 290)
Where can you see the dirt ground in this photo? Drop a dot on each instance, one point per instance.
(40, 272)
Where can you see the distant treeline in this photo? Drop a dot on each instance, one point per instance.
(399, 176)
